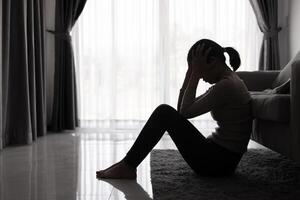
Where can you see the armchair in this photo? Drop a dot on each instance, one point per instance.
(276, 116)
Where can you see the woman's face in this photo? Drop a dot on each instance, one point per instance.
(212, 74)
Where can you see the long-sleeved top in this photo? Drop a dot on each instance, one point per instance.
(229, 103)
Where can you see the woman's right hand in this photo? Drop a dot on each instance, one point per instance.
(199, 63)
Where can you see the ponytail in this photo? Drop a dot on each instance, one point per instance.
(234, 57)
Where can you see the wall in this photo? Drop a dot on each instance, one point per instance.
(50, 46)
(283, 36)
(294, 27)
(0, 74)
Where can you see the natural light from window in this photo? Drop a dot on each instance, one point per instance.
(131, 55)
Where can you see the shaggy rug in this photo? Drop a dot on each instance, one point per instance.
(261, 175)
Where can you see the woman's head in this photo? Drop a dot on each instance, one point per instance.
(216, 52)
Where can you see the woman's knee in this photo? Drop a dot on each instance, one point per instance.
(165, 108)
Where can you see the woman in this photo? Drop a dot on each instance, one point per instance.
(228, 100)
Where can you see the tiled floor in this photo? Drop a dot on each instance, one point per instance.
(63, 166)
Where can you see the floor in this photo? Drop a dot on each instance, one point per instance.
(63, 166)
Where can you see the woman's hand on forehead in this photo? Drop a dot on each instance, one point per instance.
(199, 63)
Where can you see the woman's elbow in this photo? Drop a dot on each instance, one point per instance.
(185, 114)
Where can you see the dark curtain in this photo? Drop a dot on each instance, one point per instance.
(64, 115)
(23, 72)
(266, 12)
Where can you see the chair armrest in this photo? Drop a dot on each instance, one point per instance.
(258, 80)
(295, 110)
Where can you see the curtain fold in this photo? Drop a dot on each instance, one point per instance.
(64, 114)
(23, 73)
(266, 12)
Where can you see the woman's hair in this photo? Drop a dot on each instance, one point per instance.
(218, 52)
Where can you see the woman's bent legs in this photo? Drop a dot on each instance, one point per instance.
(202, 156)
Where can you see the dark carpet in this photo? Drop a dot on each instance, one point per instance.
(261, 175)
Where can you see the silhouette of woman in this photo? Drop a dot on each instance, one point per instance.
(228, 100)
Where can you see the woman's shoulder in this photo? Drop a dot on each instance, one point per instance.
(226, 82)
(232, 85)
(223, 87)
(231, 80)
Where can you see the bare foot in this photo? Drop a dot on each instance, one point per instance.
(120, 170)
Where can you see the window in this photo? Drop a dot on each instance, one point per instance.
(131, 55)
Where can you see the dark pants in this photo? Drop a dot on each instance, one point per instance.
(204, 156)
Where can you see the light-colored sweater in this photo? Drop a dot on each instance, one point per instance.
(229, 103)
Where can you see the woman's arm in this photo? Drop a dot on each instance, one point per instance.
(215, 97)
(189, 94)
(190, 106)
(183, 88)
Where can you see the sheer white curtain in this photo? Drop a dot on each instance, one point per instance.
(131, 55)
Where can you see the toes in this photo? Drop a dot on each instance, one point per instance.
(101, 172)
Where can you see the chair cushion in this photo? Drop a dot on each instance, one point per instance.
(270, 106)
(285, 73)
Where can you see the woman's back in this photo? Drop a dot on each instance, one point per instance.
(234, 117)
